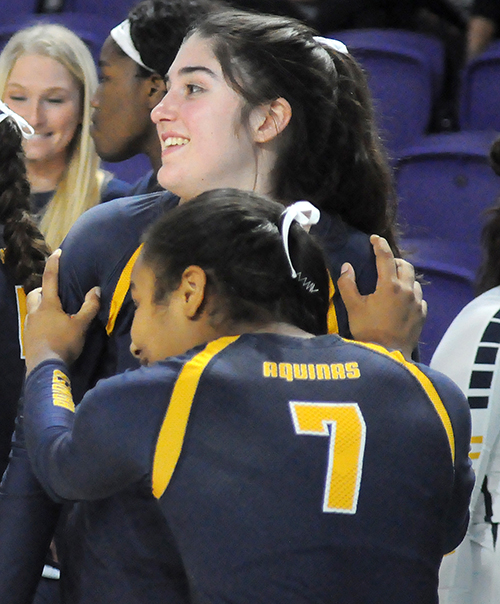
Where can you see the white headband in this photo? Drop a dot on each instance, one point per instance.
(335, 44)
(121, 35)
(306, 215)
(27, 130)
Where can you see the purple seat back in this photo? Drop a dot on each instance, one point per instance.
(93, 29)
(115, 9)
(480, 91)
(445, 184)
(405, 75)
(448, 285)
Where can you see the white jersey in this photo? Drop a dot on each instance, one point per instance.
(469, 355)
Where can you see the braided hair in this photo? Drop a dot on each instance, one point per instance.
(25, 249)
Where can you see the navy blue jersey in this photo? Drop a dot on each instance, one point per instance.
(101, 249)
(114, 189)
(285, 469)
(111, 189)
(146, 184)
(112, 235)
(12, 313)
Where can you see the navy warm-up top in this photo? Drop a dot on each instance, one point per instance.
(285, 469)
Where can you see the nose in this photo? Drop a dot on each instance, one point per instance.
(33, 113)
(135, 351)
(165, 110)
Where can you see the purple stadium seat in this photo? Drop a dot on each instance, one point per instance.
(444, 185)
(480, 91)
(19, 7)
(448, 285)
(93, 29)
(405, 72)
(115, 9)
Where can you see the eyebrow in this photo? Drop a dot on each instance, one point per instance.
(192, 69)
(46, 90)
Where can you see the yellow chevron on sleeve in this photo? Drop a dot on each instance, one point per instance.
(428, 387)
(332, 321)
(173, 429)
(121, 290)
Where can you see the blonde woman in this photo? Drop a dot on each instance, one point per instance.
(48, 76)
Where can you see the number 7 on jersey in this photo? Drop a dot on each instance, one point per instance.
(345, 426)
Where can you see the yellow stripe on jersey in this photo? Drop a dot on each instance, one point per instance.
(332, 321)
(2, 255)
(428, 388)
(22, 311)
(61, 391)
(173, 429)
(121, 290)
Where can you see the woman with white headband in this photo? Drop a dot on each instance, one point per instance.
(283, 464)
(48, 76)
(132, 62)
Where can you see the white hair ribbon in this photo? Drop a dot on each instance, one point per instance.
(332, 43)
(27, 130)
(121, 35)
(306, 215)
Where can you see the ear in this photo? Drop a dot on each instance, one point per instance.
(270, 119)
(156, 89)
(192, 290)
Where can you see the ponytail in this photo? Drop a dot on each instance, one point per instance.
(234, 236)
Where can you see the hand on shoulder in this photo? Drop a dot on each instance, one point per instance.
(50, 332)
(394, 314)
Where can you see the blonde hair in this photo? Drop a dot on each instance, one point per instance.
(80, 185)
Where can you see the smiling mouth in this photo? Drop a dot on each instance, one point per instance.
(174, 141)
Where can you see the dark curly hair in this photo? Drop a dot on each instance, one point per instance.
(157, 28)
(25, 249)
(331, 153)
(251, 280)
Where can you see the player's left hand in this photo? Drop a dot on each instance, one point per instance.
(49, 332)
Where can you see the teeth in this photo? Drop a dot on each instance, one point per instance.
(173, 141)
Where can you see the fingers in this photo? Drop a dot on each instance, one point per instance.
(405, 270)
(348, 289)
(89, 308)
(50, 288)
(419, 296)
(33, 300)
(384, 258)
